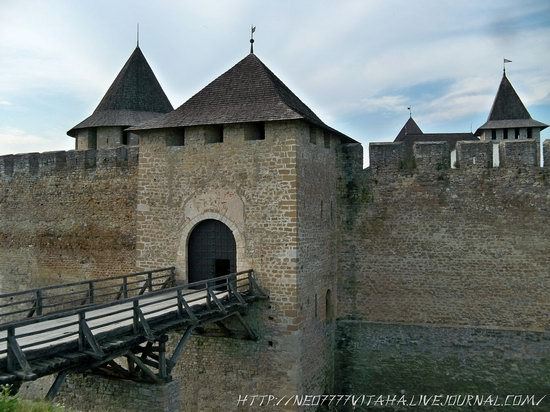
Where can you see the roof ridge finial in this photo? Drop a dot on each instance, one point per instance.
(252, 30)
(410, 112)
(137, 37)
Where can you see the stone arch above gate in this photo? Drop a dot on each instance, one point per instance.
(182, 258)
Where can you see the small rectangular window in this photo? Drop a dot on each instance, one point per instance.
(125, 138)
(214, 134)
(312, 134)
(505, 131)
(326, 136)
(517, 133)
(176, 138)
(92, 139)
(529, 133)
(494, 134)
(254, 131)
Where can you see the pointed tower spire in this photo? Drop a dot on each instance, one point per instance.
(508, 111)
(410, 128)
(252, 30)
(507, 104)
(134, 97)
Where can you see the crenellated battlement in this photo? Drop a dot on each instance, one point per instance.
(520, 153)
(474, 155)
(432, 155)
(386, 156)
(39, 164)
(470, 155)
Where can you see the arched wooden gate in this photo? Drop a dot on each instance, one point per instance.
(212, 251)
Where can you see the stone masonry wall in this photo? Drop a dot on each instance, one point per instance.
(66, 216)
(318, 173)
(448, 246)
(459, 255)
(391, 359)
(92, 393)
(250, 185)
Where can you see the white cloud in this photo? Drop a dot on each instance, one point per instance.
(13, 140)
(387, 103)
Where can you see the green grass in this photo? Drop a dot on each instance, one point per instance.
(12, 403)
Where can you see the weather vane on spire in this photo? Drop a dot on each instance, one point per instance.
(252, 30)
(410, 112)
(137, 35)
(504, 64)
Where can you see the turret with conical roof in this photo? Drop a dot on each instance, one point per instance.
(509, 118)
(134, 97)
(409, 128)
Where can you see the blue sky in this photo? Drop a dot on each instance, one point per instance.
(357, 64)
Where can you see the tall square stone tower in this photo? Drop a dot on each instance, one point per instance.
(244, 175)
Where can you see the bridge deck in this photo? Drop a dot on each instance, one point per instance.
(50, 333)
(84, 338)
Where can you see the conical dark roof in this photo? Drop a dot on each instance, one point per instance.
(411, 133)
(248, 92)
(134, 97)
(508, 110)
(409, 128)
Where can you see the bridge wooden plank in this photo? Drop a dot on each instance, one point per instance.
(158, 313)
(65, 332)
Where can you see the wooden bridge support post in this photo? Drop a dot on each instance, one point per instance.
(56, 386)
(163, 370)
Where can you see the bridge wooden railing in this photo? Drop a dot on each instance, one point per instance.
(33, 347)
(54, 298)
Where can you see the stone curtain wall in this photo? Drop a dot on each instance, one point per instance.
(429, 360)
(318, 173)
(460, 247)
(251, 186)
(66, 216)
(427, 245)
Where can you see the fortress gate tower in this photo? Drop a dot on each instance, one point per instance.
(245, 175)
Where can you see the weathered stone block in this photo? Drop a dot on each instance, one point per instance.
(6, 165)
(90, 159)
(107, 158)
(26, 163)
(50, 161)
(76, 159)
(519, 153)
(430, 156)
(386, 156)
(474, 155)
(133, 155)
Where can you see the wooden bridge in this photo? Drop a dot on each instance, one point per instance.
(86, 326)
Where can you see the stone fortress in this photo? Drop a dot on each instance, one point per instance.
(409, 276)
